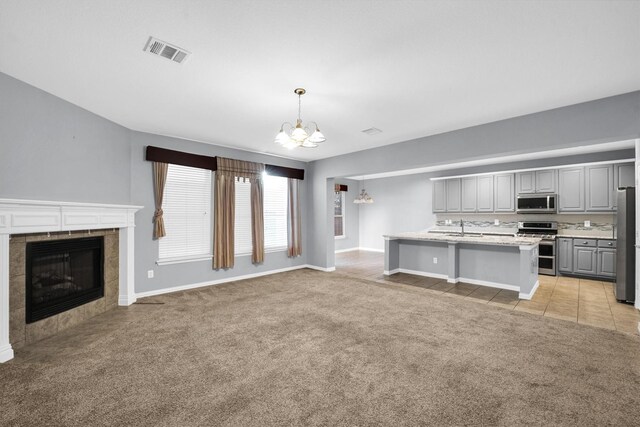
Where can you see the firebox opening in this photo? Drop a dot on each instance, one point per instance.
(63, 274)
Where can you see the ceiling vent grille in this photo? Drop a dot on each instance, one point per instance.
(166, 50)
(372, 131)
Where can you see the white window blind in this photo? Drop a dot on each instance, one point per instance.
(275, 214)
(338, 214)
(187, 217)
(242, 227)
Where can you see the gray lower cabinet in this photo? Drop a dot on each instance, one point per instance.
(585, 260)
(453, 195)
(565, 255)
(599, 188)
(606, 262)
(469, 194)
(588, 257)
(504, 193)
(439, 195)
(571, 189)
(485, 193)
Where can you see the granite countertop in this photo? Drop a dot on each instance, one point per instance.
(478, 239)
(586, 236)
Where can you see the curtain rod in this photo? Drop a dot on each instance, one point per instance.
(163, 155)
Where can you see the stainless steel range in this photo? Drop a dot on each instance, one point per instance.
(547, 231)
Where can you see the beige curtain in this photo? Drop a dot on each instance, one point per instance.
(224, 216)
(257, 221)
(159, 180)
(294, 232)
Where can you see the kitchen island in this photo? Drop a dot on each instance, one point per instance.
(504, 261)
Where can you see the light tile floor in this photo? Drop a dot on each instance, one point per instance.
(588, 302)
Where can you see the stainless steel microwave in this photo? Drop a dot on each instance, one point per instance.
(536, 203)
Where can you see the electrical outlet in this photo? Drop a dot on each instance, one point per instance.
(150, 274)
(587, 223)
(496, 222)
(435, 260)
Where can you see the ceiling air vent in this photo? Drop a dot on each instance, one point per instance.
(166, 50)
(372, 131)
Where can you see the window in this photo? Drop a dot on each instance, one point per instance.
(338, 214)
(187, 217)
(275, 214)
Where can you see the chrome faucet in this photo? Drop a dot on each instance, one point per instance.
(462, 227)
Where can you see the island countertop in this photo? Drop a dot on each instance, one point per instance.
(478, 239)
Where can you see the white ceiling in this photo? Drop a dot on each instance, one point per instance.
(410, 68)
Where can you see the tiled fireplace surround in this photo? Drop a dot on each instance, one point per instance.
(23, 221)
(21, 333)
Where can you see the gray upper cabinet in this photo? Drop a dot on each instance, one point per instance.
(571, 189)
(542, 181)
(439, 195)
(469, 194)
(453, 195)
(504, 193)
(623, 176)
(599, 188)
(484, 202)
(546, 181)
(526, 182)
(565, 254)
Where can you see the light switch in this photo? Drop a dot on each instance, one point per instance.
(150, 274)
(587, 223)
(496, 222)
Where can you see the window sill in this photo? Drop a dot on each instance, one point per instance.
(168, 261)
(340, 237)
(266, 251)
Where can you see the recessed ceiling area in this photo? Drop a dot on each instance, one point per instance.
(558, 153)
(410, 68)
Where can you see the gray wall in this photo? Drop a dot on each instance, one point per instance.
(52, 150)
(606, 120)
(401, 203)
(352, 218)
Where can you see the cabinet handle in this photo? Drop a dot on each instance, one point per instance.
(584, 243)
(610, 244)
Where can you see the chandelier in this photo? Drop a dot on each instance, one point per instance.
(363, 197)
(298, 135)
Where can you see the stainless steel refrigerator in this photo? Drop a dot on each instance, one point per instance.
(625, 287)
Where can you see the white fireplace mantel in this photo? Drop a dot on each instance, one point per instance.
(36, 216)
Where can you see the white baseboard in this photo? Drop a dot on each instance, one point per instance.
(371, 250)
(125, 300)
(487, 283)
(423, 273)
(339, 251)
(220, 281)
(6, 353)
(530, 294)
(325, 269)
(465, 280)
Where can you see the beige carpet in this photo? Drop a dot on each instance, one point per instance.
(307, 347)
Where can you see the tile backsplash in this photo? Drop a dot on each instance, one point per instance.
(602, 225)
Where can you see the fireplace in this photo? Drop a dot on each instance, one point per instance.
(62, 274)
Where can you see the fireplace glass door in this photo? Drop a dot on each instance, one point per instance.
(61, 275)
